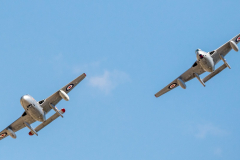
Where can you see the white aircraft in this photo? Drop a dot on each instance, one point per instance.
(36, 111)
(205, 63)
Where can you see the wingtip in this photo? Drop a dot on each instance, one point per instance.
(30, 133)
(85, 74)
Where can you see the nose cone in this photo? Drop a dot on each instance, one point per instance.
(200, 54)
(24, 100)
(197, 50)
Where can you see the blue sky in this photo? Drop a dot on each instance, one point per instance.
(129, 51)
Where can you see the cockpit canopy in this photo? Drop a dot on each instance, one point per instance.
(197, 50)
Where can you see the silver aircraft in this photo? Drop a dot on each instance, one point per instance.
(206, 62)
(37, 110)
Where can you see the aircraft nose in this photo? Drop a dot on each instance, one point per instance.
(24, 100)
(200, 55)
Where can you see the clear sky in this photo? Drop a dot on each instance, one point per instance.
(129, 51)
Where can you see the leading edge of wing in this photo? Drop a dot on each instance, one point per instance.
(224, 49)
(186, 76)
(55, 98)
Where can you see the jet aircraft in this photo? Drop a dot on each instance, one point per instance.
(37, 110)
(206, 62)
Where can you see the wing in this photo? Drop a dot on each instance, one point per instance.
(17, 125)
(186, 76)
(55, 98)
(224, 49)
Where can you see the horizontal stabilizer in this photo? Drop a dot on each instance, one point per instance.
(208, 77)
(48, 121)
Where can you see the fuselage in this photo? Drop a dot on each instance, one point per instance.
(205, 60)
(33, 108)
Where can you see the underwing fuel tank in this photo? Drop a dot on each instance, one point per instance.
(181, 83)
(64, 95)
(11, 133)
(234, 46)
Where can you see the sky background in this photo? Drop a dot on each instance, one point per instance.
(129, 51)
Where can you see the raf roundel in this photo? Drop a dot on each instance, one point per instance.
(238, 39)
(69, 87)
(3, 135)
(172, 85)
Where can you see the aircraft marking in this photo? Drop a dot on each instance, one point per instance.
(3, 135)
(238, 39)
(69, 87)
(172, 85)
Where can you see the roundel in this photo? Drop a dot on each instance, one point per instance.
(172, 85)
(238, 39)
(69, 87)
(3, 135)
